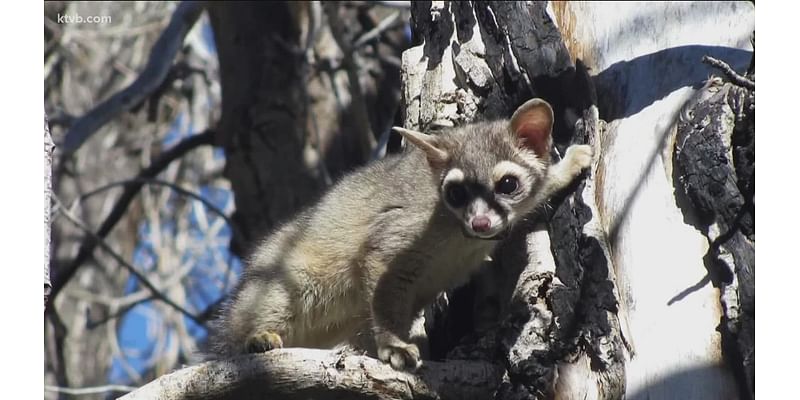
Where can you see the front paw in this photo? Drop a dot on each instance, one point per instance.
(400, 356)
(578, 157)
(263, 342)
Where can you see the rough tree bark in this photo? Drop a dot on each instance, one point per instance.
(288, 132)
(559, 332)
(615, 290)
(259, 127)
(715, 174)
(310, 373)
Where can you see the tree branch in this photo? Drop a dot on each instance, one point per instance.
(382, 26)
(48, 187)
(139, 276)
(737, 79)
(158, 182)
(313, 373)
(88, 390)
(89, 243)
(156, 70)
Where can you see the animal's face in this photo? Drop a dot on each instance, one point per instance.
(489, 179)
(490, 171)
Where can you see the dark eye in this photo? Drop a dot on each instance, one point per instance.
(506, 185)
(456, 195)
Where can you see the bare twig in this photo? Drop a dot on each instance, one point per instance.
(89, 243)
(118, 258)
(403, 5)
(737, 79)
(311, 373)
(121, 305)
(156, 70)
(382, 26)
(89, 390)
(119, 311)
(158, 182)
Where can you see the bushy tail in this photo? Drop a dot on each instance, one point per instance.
(220, 343)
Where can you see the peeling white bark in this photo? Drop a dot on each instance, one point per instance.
(649, 56)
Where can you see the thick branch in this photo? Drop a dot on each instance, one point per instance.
(312, 373)
(156, 70)
(89, 243)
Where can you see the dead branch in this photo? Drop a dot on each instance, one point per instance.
(382, 26)
(403, 5)
(89, 243)
(734, 77)
(714, 167)
(158, 182)
(154, 73)
(89, 390)
(48, 185)
(118, 258)
(312, 373)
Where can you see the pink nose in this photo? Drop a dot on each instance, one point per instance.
(481, 223)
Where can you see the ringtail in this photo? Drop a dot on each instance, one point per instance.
(360, 265)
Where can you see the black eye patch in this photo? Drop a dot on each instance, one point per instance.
(456, 195)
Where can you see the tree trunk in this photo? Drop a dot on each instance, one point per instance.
(287, 133)
(261, 101)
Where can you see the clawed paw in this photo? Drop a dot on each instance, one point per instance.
(263, 342)
(401, 357)
(579, 157)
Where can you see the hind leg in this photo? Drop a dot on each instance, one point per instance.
(260, 318)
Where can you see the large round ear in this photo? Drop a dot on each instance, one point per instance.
(437, 157)
(533, 124)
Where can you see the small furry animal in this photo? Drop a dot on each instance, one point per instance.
(360, 265)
